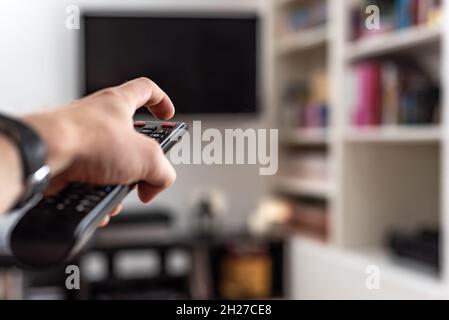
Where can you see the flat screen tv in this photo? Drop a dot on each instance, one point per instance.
(206, 64)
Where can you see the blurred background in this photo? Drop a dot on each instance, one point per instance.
(356, 88)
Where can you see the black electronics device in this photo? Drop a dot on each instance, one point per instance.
(207, 63)
(57, 227)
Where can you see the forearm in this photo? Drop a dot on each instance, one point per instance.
(10, 174)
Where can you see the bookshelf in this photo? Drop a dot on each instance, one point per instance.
(407, 39)
(300, 137)
(302, 40)
(395, 134)
(304, 187)
(380, 178)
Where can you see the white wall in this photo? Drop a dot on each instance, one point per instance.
(38, 69)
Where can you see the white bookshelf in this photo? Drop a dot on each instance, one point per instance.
(304, 187)
(407, 39)
(303, 40)
(311, 137)
(381, 178)
(394, 134)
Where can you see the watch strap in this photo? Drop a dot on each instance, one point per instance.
(32, 151)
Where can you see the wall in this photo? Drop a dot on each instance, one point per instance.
(38, 69)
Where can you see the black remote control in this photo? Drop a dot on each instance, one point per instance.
(57, 227)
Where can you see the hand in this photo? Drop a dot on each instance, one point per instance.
(93, 140)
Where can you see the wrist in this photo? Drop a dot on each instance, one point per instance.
(58, 134)
(12, 172)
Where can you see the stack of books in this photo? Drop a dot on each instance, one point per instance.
(310, 218)
(306, 102)
(305, 15)
(390, 92)
(310, 165)
(396, 14)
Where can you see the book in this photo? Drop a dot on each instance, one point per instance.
(403, 14)
(311, 219)
(368, 103)
(390, 88)
(394, 92)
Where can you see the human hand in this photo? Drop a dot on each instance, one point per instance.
(92, 140)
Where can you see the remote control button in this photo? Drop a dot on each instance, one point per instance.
(80, 208)
(108, 188)
(93, 197)
(50, 200)
(73, 196)
(101, 193)
(85, 202)
(168, 125)
(139, 124)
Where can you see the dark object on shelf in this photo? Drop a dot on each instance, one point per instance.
(204, 217)
(420, 106)
(422, 246)
(159, 216)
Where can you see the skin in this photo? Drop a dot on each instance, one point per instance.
(93, 140)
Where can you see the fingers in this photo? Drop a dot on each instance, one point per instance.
(148, 192)
(143, 91)
(105, 221)
(116, 210)
(158, 173)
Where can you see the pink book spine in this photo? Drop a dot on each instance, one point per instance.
(362, 104)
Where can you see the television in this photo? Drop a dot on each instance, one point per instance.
(206, 64)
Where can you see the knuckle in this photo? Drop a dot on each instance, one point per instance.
(110, 92)
(114, 98)
(148, 81)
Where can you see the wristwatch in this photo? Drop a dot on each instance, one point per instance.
(33, 156)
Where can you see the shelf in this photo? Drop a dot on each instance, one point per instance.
(284, 3)
(401, 272)
(313, 136)
(406, 134)
(303, 187)
(302, 40)
(397, 280)
(393, 42)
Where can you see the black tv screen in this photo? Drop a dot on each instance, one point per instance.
(205, 64)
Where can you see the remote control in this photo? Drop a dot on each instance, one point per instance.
(57, 227)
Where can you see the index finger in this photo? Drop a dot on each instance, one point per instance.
(144, 92)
